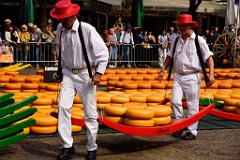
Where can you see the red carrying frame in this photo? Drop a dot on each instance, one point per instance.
(151, 131)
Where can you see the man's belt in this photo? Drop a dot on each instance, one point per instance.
(188, 73)
(78, 70)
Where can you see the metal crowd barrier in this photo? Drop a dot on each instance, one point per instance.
(46, 56)
(139, 55)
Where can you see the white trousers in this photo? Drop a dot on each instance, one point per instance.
(189, 85)
(72, 84)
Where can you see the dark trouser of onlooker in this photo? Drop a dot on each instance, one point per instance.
(48, 54)
(139, 56)
(24, 53)
(125, 55)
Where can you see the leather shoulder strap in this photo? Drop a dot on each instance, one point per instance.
(171, 65)
(199, 53)
(84, 50)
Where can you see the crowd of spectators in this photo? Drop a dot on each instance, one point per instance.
(27, 41)
(31, 44)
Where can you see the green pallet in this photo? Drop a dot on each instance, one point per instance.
(6, 102)
(11, 140)
(6, 95)
(11, 108)
(17, 116)
(208, 101)
(8, 131)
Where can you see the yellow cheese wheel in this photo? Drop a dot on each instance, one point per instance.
(162, 120)
(221, 97)
(131, 71)
(14, 86)
(12, 90)
(120, 71)
(45, 120)
(144, 85)
(138, 113)
(158, 85)
(111, 82)
(132, 85)
(43, 130)
(40, 72)
(44, 110)
(224, 85)
(115, 119)
(119, 84)
(125, 77)
(33, 79)
(42, 101)
(148, 77)
(119, 99)
(42, 106)
(231, 109)
(141, 99)
(154, 98)
(137, 78)
(112, 77)
(29, 86)
(115, 110)
(26, 130)
(76, 128)
(77, 113)
(102, 105)
(152, 71)
(235, 95)
(12, 73)
(133, 104)
(52, 87)
(104, 78)
(139, 123)
(160, 110)
(5, 78)
(231, 101)
(103, 99)
(109, 71)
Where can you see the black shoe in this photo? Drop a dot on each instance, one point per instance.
(189, 136)
(178, 133)
(66, 153)
(91, 155)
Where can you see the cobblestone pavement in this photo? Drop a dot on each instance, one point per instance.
(221, 144)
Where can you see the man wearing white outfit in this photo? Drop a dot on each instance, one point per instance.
(187, 68)
(75, 75)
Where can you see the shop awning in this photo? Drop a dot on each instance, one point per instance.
(175, 5)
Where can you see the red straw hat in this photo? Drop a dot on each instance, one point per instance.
(185, 19)
(64, 9)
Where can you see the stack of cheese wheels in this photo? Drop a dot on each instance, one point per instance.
(17, 79)
(30, 87)
(103, 81)
(12, 87)
(43, 105)
(42, 87)
(54, 87)
(139, 117)
(162, 114)
(33, 79)
(45, 124)
(237, 110)
(115, 113)
(111, 80)
(230, 105)
(103, 100)
(4, 79)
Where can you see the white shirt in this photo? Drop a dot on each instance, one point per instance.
(185, 56)
(126, 37)
(71, 48)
